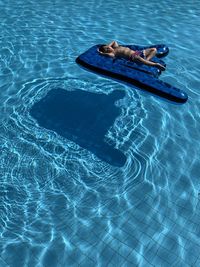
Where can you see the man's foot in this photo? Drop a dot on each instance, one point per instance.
(161, 67)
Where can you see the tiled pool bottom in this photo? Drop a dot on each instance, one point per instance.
(61, 203)
(92, 229)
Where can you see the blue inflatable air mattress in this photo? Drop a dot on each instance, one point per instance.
(140, 75)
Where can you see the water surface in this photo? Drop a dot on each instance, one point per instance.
(61, 204)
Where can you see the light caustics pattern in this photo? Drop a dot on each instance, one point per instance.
(62, 205)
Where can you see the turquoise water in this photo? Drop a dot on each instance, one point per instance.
(61, 205)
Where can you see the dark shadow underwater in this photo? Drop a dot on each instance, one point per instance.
(82, 117)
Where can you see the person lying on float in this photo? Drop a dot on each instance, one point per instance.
(115, 50)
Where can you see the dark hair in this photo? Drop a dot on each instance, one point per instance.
(101, 48)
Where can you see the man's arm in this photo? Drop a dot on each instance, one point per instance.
(107, 54)
(113, 44)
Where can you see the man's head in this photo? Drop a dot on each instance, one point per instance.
(105, 49)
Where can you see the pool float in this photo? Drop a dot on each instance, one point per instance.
(140, 75)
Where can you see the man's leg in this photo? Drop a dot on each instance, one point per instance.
(149, 53)
(149, 63)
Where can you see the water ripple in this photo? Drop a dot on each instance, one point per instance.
(60, 204)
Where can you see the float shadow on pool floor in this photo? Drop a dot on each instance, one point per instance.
(83, 118)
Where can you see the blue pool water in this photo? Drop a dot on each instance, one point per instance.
(63, 205)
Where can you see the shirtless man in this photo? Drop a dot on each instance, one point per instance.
(114, 50)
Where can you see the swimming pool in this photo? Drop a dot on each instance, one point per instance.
(61, 203)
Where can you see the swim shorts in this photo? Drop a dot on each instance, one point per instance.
(137, 53)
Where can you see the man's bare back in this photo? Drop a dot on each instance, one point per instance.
(115, 50)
